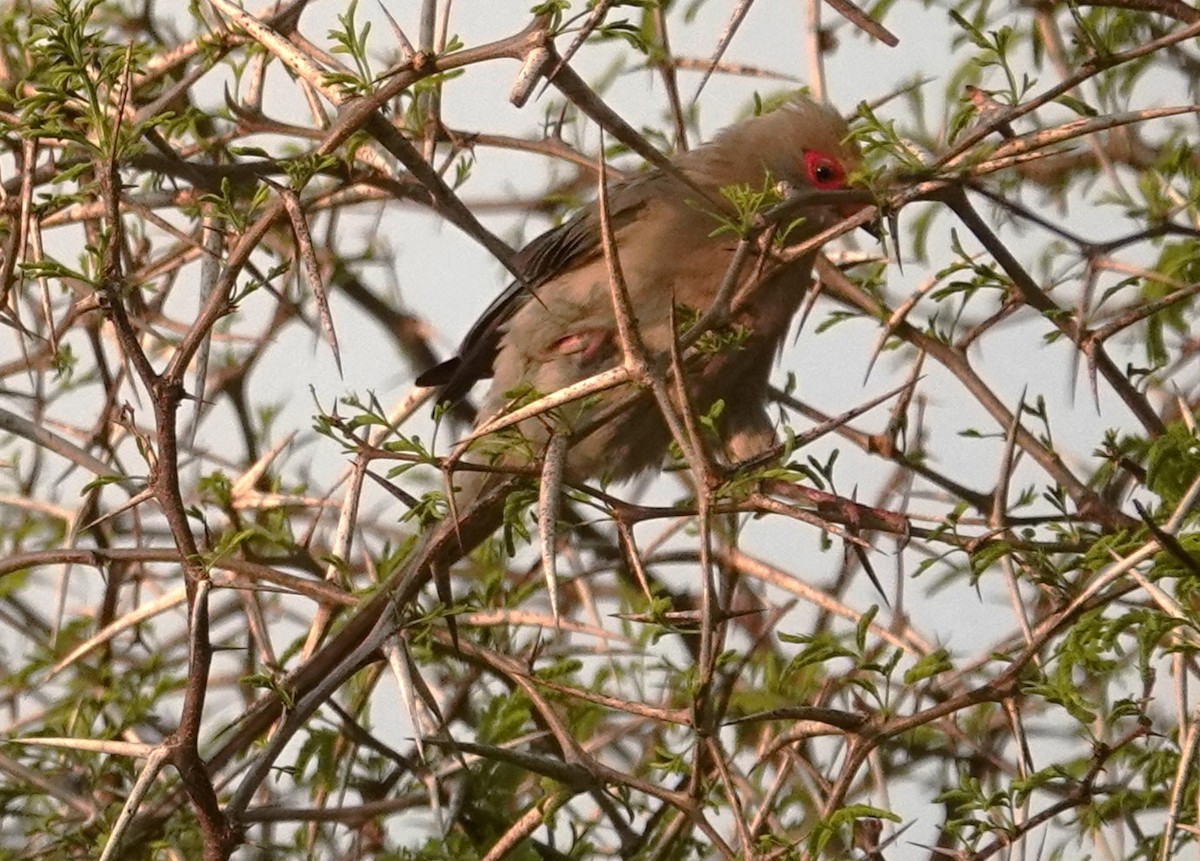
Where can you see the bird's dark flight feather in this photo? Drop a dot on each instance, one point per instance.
(554, 252)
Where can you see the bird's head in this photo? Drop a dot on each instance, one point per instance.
(802, 146)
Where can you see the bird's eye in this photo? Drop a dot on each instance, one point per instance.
(823, 171)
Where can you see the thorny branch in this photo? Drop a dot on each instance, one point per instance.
(693, 677)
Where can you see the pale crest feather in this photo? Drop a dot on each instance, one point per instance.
(774, 142)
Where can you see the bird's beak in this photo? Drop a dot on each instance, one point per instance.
(828, 206)
(873, 227)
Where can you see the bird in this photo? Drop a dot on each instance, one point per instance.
(557, 325)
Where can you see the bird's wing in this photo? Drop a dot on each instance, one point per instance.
(551, 254)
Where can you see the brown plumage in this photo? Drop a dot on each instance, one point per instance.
(561, 328)
(668, 253)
